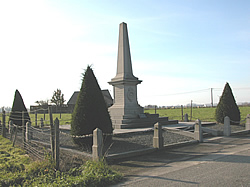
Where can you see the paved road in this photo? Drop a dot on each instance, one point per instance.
(217, 162)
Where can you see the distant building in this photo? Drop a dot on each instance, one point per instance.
(72, 101)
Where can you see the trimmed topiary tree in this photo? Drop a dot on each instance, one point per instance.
(227, 106)
(17, 108)
(90, 111)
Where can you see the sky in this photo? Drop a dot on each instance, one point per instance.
(179, 49)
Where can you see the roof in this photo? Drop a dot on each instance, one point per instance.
(72, 100)
(107, 97)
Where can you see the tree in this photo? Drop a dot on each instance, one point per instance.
(90, 111)
(58, 98)
(17, 108)
(227, 106)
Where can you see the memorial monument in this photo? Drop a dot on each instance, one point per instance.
(126, 112)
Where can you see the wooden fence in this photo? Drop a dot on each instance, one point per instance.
(36, 141)
(39, 140)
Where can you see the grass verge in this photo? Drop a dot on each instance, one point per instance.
(16, 168)
(204, 114)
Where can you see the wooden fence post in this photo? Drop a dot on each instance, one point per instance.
(28, 133)
(181, 112)
(23, 129)
(227, 128)
(191, 110)
(41, 123)
(11, 129)
(52, 134)
(57, 143)
(14, 141)
(3, 124)
(97, 144)
(35, 118)
(158, 139)
(198, 134)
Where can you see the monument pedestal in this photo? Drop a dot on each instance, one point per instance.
(133, 123)
(126, 112)
(124, 118)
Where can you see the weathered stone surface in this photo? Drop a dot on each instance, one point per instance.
(198, 135)
(97, 144)
(227, 128)
(125, 111)
(158, 139)
(124, 84)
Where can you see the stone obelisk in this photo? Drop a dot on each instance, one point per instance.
(125, 105)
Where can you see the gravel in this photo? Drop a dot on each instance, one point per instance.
(220, 127)
(141, 140)
(127, 141)
(135, 141)
(120, 142)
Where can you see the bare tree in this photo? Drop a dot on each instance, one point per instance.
(58, 99)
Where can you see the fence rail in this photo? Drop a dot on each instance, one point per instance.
(36, 141)
(40, 140)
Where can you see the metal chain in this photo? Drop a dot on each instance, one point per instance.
(83, 136)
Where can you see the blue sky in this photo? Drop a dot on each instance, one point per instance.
(179, 49)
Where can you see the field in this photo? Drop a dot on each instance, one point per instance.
(17, 169)
(65, 118)
(204, 114)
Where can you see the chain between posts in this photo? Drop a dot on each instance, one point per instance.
(238, 121)
(61, 132)
(84, 136)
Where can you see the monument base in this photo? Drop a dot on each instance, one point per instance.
(148, 121)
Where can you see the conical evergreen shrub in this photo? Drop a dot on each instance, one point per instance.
(227, 106)
(90, 111)
(17, 108)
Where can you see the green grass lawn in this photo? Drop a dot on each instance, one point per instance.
(204, 114)
(17, 169)
(64, 119)
(13, 163)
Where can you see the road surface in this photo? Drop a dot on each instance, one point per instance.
(220, 161)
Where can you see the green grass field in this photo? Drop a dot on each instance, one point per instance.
(17, 169)
(65, 118)
(204, 114)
